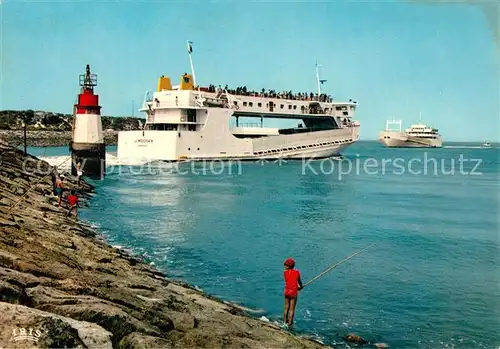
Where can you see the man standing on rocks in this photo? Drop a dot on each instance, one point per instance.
(55, 176)
(59, 188)
(79, 172)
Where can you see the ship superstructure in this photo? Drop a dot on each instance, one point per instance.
(190, 122)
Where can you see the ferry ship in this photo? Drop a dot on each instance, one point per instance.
(191, 122)
(417, 136)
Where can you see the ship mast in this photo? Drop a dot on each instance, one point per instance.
(318, 80)
(190, 50)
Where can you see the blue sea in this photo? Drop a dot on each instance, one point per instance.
(431, 281)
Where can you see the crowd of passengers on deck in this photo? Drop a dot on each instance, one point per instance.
(300, 96)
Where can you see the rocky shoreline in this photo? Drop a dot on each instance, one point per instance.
(61, 285)
(42, 138)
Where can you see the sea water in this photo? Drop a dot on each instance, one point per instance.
(431, 281)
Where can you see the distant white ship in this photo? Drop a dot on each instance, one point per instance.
(417, 136)
(486, 145)
(191, 122)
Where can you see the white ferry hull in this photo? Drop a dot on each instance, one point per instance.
(215, 141)
(401, 140)
(147, 146)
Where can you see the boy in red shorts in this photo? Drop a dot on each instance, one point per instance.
(293, 284)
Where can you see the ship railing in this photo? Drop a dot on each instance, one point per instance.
(249, 124)
(228, 99)
(148, 96)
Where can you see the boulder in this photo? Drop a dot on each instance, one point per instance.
(32, 328)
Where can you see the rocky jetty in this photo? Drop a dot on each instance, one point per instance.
(41, 138)
(62, 286)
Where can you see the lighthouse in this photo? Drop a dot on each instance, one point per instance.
(87, 146)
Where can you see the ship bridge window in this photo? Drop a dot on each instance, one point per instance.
(345, 113)
(281, 106)
(250, 104)
(289, 106)
(338, 108)
(294, 107)
(259, 105)
(162, 127)
(244, 104)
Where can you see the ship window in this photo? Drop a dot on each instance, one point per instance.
(294, 107)
(163, 127)
(289, 106)
(191, 115)
(338, 108)
(345, 113)
(259, 105)
(235, 102)
(244, 104)
(250, 104)
(282, 106)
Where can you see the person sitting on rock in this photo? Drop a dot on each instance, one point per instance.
(72, 200)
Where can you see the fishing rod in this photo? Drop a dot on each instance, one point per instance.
(336, 265)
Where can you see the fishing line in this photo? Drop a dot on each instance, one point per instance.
(336, 265)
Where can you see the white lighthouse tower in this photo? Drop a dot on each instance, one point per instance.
(87, 147)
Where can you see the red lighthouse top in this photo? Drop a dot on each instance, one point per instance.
(88, 102)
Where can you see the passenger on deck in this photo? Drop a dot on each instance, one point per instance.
(268, 93)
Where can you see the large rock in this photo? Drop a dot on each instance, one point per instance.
(138, 340)
(24, 327)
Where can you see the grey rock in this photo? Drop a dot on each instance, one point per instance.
(47, 330)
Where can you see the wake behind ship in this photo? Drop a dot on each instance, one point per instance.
(190, 122)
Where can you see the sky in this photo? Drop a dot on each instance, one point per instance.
(397, 59)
